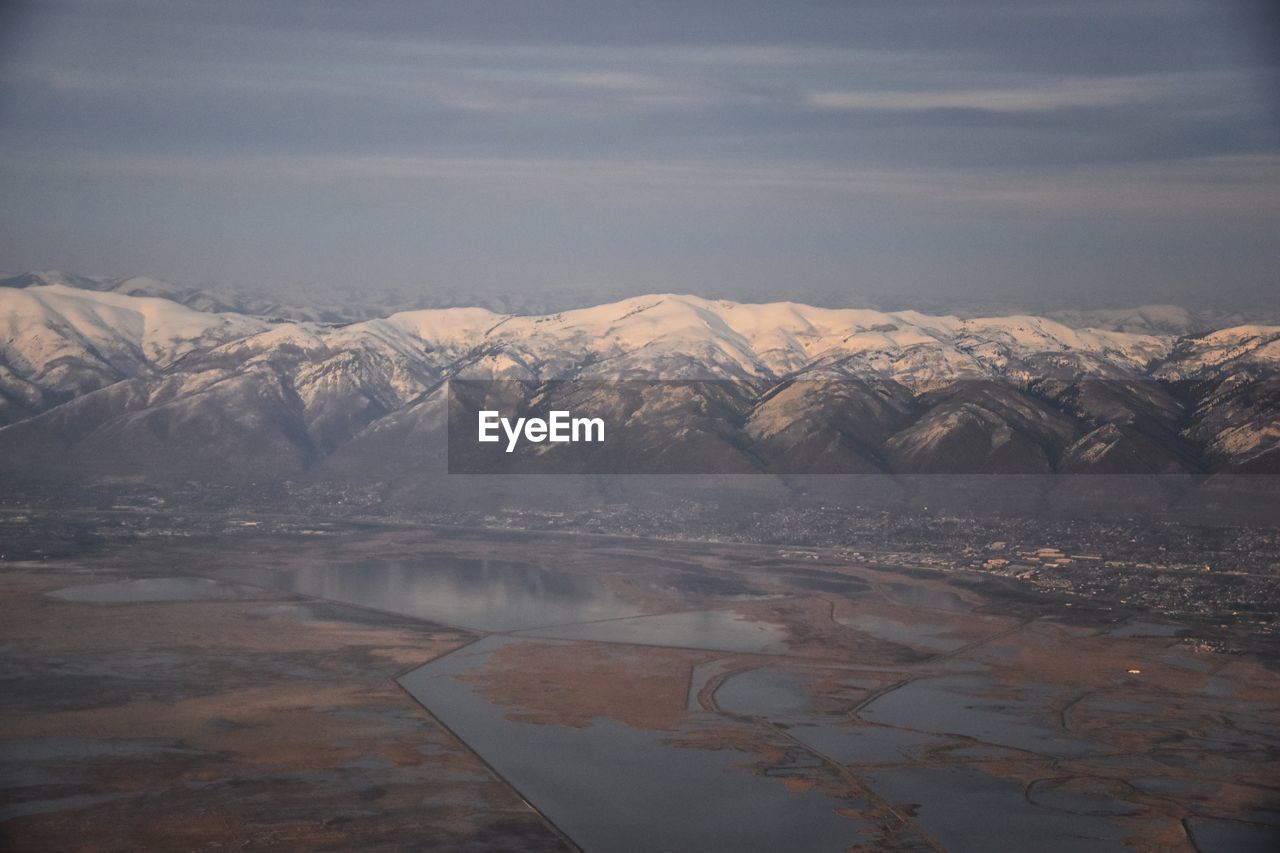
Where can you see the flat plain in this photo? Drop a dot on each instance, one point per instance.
(453, 689)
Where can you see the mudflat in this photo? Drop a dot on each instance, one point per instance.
(438, 688)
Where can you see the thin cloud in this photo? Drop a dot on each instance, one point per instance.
(799, 126)
(1235, 186)
(1037, 96)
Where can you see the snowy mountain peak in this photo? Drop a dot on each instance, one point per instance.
(903, 390)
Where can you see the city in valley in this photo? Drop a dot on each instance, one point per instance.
(349, 684)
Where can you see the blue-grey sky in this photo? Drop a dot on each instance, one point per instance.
(1067, 152)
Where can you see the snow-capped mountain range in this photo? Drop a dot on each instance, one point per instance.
(99, 381)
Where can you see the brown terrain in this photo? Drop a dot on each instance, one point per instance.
(273, 719)
(262, 723)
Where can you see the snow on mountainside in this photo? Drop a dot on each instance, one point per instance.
(98, 369)
(1239, 347)
(671, 335)
(58, 336)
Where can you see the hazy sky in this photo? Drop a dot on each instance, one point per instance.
(1074, 152)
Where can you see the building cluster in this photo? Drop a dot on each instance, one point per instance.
(1225, 573)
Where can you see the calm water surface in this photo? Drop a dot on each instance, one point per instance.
(482, 594)
(978, 707)
(614, 788)
(708, 629)
(968, 810)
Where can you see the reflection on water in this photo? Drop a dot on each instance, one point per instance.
(853, 744)
(919, 634)
(968, 810)
(149, 589)
(783, 695)
(1229, 836)
(482, 594)
(779, 693)
(977, 707)
(707, 629)
(612, 787)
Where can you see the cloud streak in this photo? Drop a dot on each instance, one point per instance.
(789, 117)
(1246, 186)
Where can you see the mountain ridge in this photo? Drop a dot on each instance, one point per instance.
(86, 375)
(328, 304)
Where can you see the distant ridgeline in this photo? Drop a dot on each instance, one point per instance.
(102, 386)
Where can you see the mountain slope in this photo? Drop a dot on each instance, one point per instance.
(101, 382)
(68, 341)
